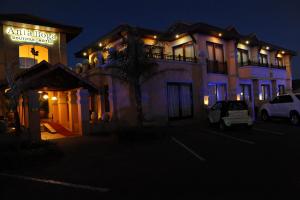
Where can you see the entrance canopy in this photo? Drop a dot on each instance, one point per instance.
(58, 77)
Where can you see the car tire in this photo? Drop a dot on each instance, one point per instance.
(264, 115)
(294, 118)
(222, 126)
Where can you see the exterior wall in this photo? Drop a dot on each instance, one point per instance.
(154, 90)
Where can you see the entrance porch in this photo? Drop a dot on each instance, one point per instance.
(54, 102)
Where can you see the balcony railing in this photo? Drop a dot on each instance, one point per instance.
(217, 67)
(252, 63)
(172, 57)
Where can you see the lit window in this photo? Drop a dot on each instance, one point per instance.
(265, 92)
(216, 92)
(246, 92)
(281, 89)
(30, 55)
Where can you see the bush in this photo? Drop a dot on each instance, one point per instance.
(24, 154)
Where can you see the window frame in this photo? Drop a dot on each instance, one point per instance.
(242, 86)
(263, 95)
(183, 46)
(281, 86)
(242, 51)
(214, 45)
(261, 56)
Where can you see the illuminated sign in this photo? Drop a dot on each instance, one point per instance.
(31, 36)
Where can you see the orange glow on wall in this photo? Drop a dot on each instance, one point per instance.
(25, 52)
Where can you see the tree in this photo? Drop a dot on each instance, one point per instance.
(14, 94)
(131, 65)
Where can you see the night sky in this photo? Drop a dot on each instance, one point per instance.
(276, 21)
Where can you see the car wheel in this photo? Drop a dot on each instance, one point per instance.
(294, 118)
(264, 115)
(222, 126)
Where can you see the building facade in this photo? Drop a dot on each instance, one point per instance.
(33, 59)
(199, 64)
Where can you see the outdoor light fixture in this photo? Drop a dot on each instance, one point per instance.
(84, 53)
(154, 36)
(40, 92)
(206, 100)
(260, 97)
(54, 98)
(100, 44)
(247, 42)
(177, 36)
(238, 97)
(267, 48)
(283, 52)
(6, 90)
(45, 96)
(220, 34)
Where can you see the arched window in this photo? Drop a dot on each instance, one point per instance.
(30, 55)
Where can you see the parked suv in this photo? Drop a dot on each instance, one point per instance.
(230, 113)
(286, 106)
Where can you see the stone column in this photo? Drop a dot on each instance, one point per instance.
(34, 115)
(288, 64)
(232, 65)
(63, 109)
(256, 95)
(254, 54)
(73, 111)
(274, 88)
(83, 111)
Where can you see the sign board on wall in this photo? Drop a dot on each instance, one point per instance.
(30, 35)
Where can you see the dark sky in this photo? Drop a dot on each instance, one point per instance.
(276, 21)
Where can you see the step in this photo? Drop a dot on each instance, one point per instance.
(49, 128)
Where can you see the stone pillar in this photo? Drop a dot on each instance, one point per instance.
(63, 109)
(99, 106)
(73, 111)
(274, 88)
(34, 115)
(83, 111)
(288, 64)
(256, 95)
(232, 65)
(26, 111)
(254, 54)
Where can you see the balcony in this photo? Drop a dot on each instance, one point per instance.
(216, 67)
(252, 63)
(162, 56)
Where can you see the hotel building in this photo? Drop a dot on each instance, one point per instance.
(199, 64)
(33, 59)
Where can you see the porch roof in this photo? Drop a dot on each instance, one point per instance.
(44, 76)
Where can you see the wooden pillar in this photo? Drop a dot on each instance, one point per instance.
(34, 116)
(83, 111)
(73, 112)
(63, 109)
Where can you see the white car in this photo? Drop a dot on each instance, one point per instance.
(285, 106)
(230, 113)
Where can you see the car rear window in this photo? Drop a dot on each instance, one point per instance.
(237, 105)
(298, 96)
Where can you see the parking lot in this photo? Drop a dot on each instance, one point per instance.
(178, 162)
